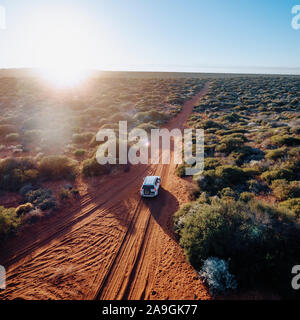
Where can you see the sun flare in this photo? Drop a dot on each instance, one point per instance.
(64, 49)
(63, 77)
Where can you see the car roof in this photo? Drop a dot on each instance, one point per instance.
(150, 179)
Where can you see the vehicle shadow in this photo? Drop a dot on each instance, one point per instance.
(162, 209)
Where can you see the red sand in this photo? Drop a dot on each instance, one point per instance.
(113, 245)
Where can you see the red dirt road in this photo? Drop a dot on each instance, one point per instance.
(113, 246)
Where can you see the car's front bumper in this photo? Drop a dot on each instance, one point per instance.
(151, 195)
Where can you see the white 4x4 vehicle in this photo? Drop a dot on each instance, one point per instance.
(150, 186)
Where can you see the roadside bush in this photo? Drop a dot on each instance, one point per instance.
(180, 170)
(9, 222)
(64, 194)
(147, 116)
(41, 198)
(16, 172)
(261, 241)
(24, 208)
(57, 168)
(216, 276)
(91, 168)
(213, 181)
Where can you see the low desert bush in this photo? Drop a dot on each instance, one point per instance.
(57, 168)
(293, 205)
(79, 153)
(284, 190)
(42, 199)
(276, 154)
(13, 137)
(276, 174)
(24, 208)
(285, 140)
(9, 222)
(82, 137)
(261, 241)
(230, 143)
(16, 172)
(91, 168)
(215, 274)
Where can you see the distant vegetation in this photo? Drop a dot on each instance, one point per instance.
(247, 207)
(49, 135)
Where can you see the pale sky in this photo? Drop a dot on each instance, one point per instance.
(157, 35)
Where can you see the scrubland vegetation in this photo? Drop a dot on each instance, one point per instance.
(246, 207)
(242, 228)
(49, 135)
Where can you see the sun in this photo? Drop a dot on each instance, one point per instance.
(64, 77)
(64, 49)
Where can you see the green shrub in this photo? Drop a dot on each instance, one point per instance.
(9, 222)
(231, 175)
(64, 194)
(246, 154)
(233, 117)
(277, 174)
(12, 137)
(180, 170)
(276, 154)
(209, 124)
(229, 144)
(57, 168)
(213, 181)
(293, 205)
(79, 153)
(147, 116)
(41, 198)
(294, 152)
(24, 208)
(287, 140)
(261, 241)
(91, 168)
(16, 172)
(284, 190)
(227, 193)
(251, 172)
(82, 137)
(211, 163)
(246, 196)
(147, 127)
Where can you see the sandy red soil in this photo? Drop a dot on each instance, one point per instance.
(111, 245)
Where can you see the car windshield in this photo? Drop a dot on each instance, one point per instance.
(148, 187)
